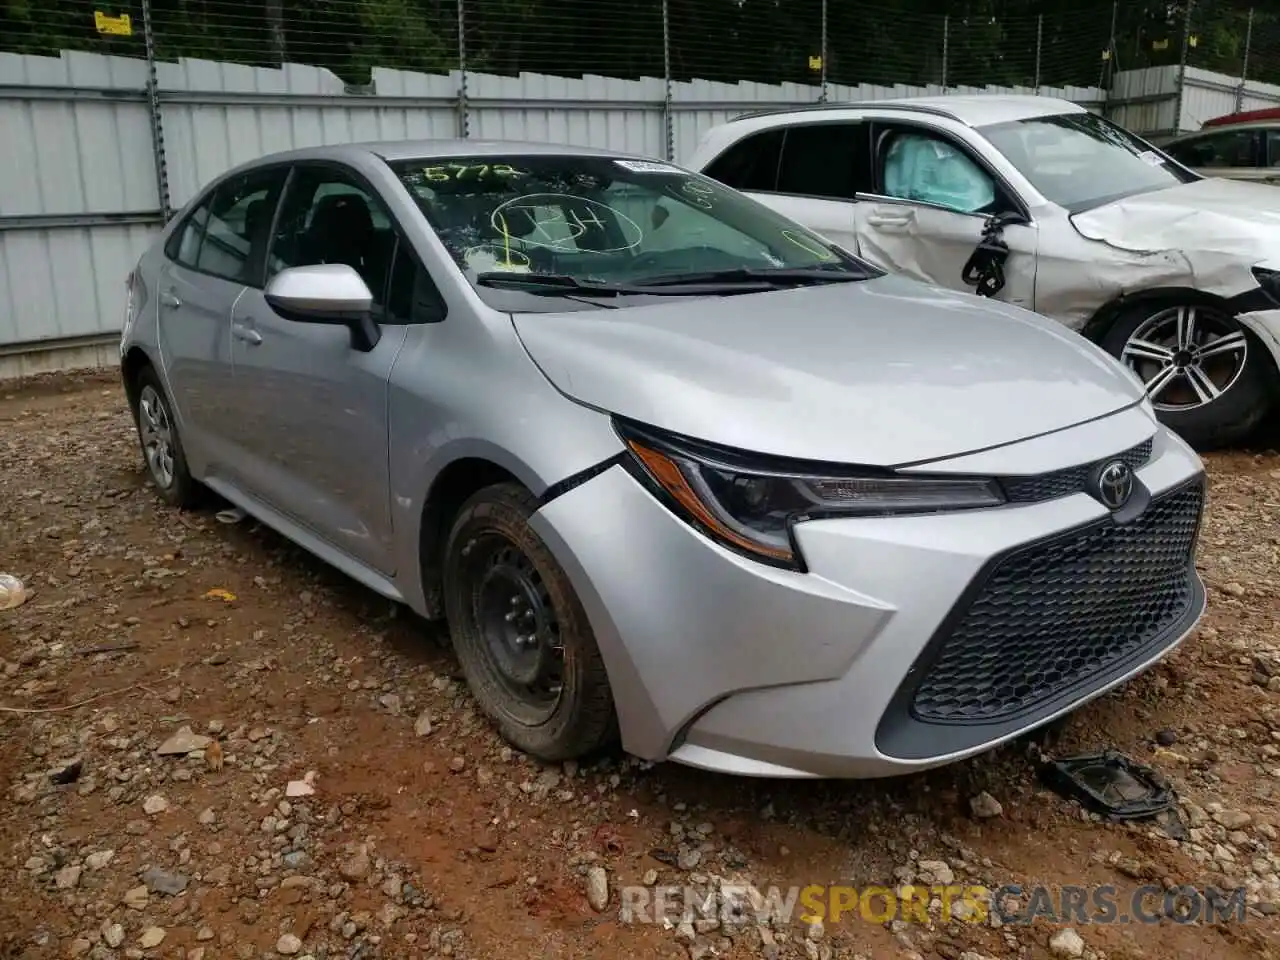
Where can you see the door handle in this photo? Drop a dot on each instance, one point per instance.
(170, 299)
(247, 334)
(887, 220)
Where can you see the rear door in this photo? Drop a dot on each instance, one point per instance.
(809, 172)
(930, 200)
(207, 261)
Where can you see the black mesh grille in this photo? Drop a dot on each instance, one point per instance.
(1063, 483)
(1055, 613)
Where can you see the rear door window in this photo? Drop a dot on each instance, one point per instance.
(822, 160)
(751, 163)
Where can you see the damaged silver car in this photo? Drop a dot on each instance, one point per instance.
(1038, 202)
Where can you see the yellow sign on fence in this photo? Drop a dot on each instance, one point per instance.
(815, 63)
(120, 26)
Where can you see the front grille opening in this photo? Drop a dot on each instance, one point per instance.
(1052, 615)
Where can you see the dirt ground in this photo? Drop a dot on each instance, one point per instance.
(424, 835)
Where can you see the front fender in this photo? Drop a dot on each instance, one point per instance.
(464, 394)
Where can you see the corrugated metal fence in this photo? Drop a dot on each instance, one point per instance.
(1177, 99)
(86, 188)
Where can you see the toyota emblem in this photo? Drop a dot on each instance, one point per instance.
(1114, 484)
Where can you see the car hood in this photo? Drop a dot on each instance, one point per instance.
(884, 372)
(1226, 221)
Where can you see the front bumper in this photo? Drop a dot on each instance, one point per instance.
(726, 664)
(1265, 325)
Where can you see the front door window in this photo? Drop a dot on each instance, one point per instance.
(930, 170)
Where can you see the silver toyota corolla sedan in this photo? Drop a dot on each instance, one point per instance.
(674, 469)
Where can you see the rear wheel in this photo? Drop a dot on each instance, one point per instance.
(161, 445)
(520, 632)
(1207, 378)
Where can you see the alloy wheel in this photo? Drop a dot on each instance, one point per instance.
(156, 431)
(1187, 356)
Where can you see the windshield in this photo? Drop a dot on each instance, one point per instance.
(594, 223)
(1079, 160)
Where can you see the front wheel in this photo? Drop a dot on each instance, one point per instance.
(1208, 379)
(520, 632)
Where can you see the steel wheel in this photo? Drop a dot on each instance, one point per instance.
(1188, 357)
(156, 433)
(522, 637)
(512, 612)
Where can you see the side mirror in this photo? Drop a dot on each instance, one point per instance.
(332, 293)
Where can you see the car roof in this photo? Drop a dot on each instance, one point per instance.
(392, 150)
(972, 109)
(1225, 128)
(1243, 117)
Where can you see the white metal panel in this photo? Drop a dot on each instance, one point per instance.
(66, 282)
(1145, 100)
(96, 155)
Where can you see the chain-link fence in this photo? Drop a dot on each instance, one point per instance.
(816, 42)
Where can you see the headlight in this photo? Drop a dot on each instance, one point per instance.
(750, 506)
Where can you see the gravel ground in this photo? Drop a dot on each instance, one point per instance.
(292, 767)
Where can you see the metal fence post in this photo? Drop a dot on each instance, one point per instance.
(157, 121)
(275, 23)
(1244, 66)
(464, 111)
(946, 42)
(668, 121)
(1182, 69)
(822, 54)
(1107, 67)
(1039, 47)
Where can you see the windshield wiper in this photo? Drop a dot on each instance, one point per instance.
(563, 285)
(774, 276)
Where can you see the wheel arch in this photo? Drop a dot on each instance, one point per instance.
(134, 361)
(1097, 326)
(455, 483)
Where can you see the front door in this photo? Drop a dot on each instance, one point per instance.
(928, 211)
(313, 408)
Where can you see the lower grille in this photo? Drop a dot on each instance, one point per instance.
(1054, 614)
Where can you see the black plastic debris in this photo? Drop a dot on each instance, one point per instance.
(1110, 784)
(68, 771)
(984, 270)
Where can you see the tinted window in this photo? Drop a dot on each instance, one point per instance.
(820, 160)
(239, 224)
(184, 242)
(750, 164)
(329, 217)
(1231, 148)
(1079, 160)
(1273, 148)
(411, 296)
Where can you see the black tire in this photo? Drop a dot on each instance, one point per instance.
(176, 486)
(491, 552)
(1247, 395)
